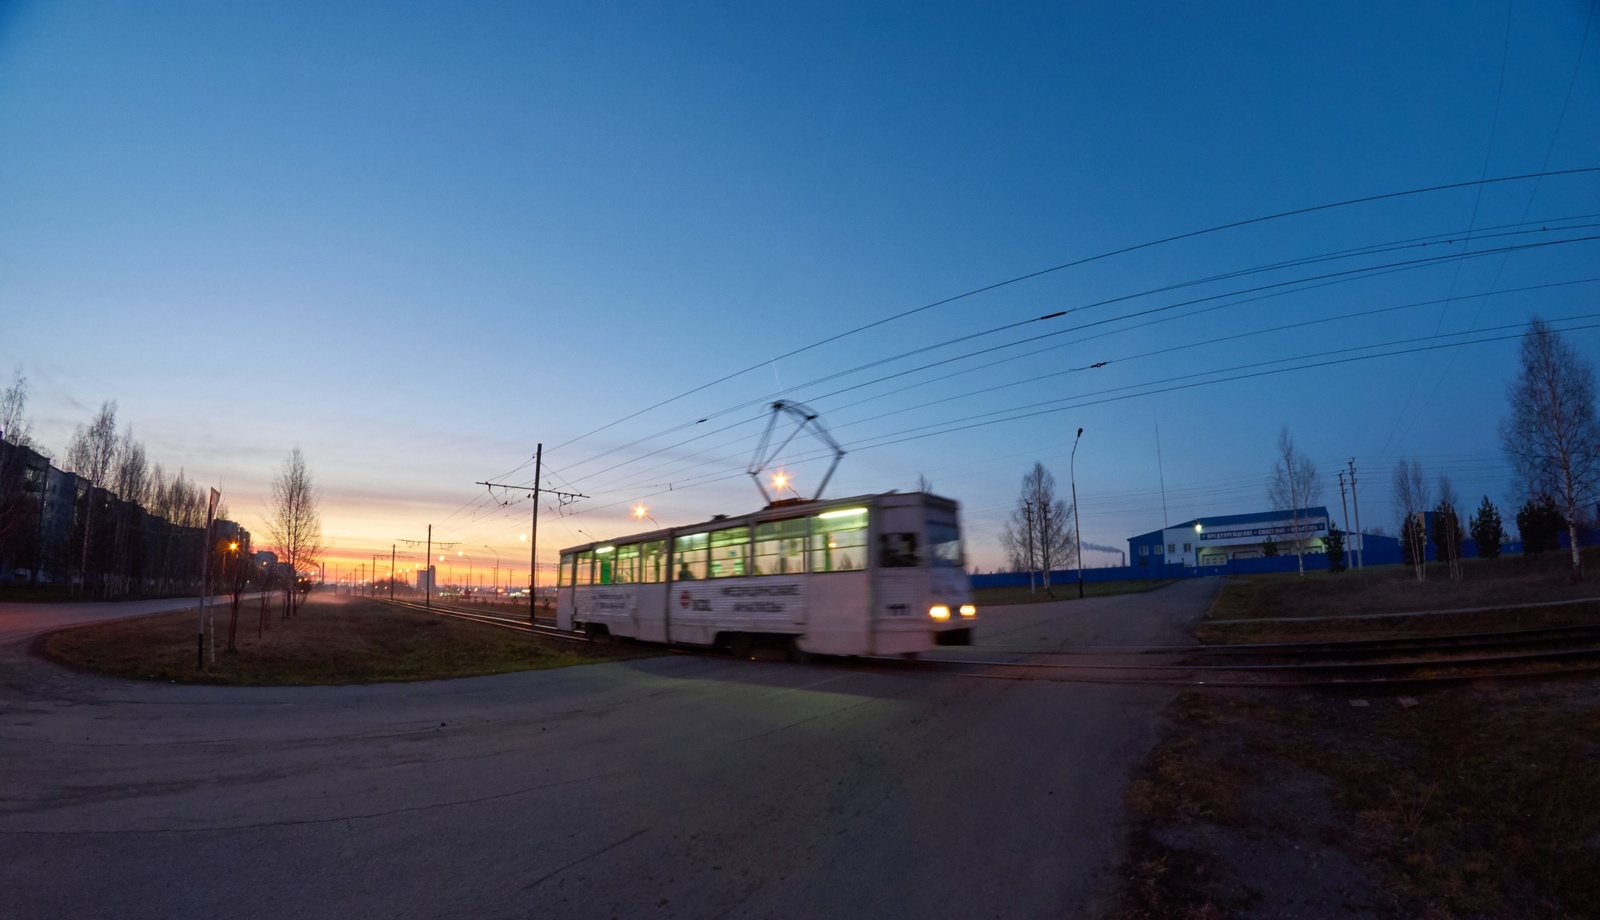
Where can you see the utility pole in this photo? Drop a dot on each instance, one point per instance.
(1027, 513)
(1346, 508)
(375, 558)
(429, 567)
(391, 572)
(1361, 552)
(1076, 529)
(533, 531)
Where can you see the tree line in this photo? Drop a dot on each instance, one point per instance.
(1552, 440)
(112, 523)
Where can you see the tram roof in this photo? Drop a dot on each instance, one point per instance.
(777, 511)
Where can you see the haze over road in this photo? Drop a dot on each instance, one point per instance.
(677, 786)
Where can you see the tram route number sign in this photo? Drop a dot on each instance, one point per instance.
(760, 600)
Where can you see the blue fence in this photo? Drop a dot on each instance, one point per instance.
(1379, 551)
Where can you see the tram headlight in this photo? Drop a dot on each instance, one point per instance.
(939, 612)
(967, 610)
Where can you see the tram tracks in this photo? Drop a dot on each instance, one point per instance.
(1441, 658)
(1543, 652)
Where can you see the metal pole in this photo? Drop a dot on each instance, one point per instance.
(533, 536)
(429, 569)
(1355, 499)
(1077, 530)
(1027, 510)
(1345, 507)
(391, 572)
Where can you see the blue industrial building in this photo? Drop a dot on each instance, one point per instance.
(1212, 542)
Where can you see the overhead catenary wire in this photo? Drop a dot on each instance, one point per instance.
(1279, 286)
(1192, 234)
(1172, 385)
(1374, 249)
(1304, 282)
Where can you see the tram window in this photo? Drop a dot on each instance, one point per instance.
(691, 551)
(730, 553)
(898, 551)
(566, 570)
(781, 547)
(839, 540)
(605, 563)
(944, 545)
(585, 572)
(626, 569)
(652, 562)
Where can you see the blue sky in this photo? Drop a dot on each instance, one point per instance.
(417, 239)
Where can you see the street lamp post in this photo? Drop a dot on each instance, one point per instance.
(1076, 529)
(469, 569)
(496, 567)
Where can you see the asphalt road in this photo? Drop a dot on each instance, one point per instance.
(678, 786)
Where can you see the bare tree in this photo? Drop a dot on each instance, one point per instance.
(1294, 488)
(1553, 436)
(90, 454)
(19, 513)
(1410, 493)
(1447, 532)
(1039, 534)
(131, 476)
(294, 519)
(924, 484)
(14, 425)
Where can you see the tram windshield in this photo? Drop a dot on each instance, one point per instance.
(944, 545)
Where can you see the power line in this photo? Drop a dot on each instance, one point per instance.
(1295, 212)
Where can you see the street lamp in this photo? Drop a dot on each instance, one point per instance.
(469, 569)
(1077, 530)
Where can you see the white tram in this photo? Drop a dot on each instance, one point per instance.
(870, 575)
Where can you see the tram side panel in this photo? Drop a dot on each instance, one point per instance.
(701, 611)
(837, 614)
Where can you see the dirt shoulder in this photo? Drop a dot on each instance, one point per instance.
(332, 640)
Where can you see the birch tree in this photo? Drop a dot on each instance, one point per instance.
(294, 519)
(1409, 490)
(1294, 488)
(90, 454)
(14, 424)
(1552, 436)
(1039, 534)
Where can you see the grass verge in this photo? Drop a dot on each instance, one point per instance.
(1505, 581)
(333, 640)
(992, 597)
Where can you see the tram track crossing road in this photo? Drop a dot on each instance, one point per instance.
(675, 786)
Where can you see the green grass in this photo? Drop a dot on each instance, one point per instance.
(332, 640)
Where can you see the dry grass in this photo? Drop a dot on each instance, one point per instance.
(1397, 627)
(1475, 803)
(1394, 588)
(993, 597)
(332, 640)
